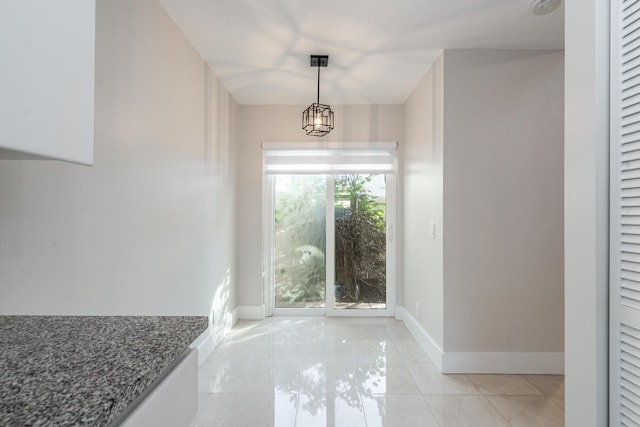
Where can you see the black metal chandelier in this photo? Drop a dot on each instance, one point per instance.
(317, 120)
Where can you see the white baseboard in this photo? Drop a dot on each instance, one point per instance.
(503, 363)
(214, 334)
(481, 362)
(251, 312)
(427, 343)
(205, 344)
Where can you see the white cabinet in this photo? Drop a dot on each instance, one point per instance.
(47, 68)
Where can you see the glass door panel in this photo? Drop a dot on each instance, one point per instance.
(300, 241)
(360, 233)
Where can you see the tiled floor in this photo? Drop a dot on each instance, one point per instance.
(308, 372)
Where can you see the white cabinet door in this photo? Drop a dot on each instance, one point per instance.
(47, 79)
(625, 214)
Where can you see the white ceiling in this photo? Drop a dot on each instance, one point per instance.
(378, 49)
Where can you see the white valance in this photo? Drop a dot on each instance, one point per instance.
(329, 157)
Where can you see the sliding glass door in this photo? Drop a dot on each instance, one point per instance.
(299, 241)
(360, 241)
(330, 244)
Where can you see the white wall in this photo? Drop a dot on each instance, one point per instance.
(503, 186)
(148, 230)
(422, 171)
(283, 124)
(586, 211)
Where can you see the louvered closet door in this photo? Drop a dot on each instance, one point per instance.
(625, 214)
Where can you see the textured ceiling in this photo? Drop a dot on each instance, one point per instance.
(378, 50)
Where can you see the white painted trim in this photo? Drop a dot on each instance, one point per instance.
(503, 363)
(399, 312)
(427, 343)
(234, 316)
(268, 241)
(251, 312)
(330, 251)
(391, 224)
(207, 342)
(361, 312)
(481, 362)
(295, 312)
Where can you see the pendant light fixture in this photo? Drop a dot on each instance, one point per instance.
(317, 120)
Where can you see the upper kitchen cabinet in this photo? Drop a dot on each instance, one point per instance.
(47, 49)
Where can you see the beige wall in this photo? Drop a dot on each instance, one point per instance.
(422, 173)
(283, 124)
(503, 201)
(149, 228)
(483, 160)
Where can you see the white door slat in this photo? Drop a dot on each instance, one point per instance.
(630, 257)
(630, 284)
(629, 220)
(629, 239)
(630, 248)
(624, 216)
(630, 183)
(631, 229)
(629, 201)
(630, 165)
(630, 174)
(632, 109)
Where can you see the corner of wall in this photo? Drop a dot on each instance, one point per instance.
(428, 344)
(207, 342)
(251, 312)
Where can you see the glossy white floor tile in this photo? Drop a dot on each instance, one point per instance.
(316, 371)
(337, 410)
(410, 410)
(262, 410)
(431, 381)
(392, 378)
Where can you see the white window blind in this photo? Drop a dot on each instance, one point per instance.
(625, 214)
(329, 158)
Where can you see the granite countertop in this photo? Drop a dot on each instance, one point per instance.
(84, 370)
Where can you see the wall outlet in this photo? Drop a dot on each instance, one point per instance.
(433, 230)
(417, 308)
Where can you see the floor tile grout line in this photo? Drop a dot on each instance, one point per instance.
(534, 386)
(538, 388)
(431, 411)
(504, 417)
(549, 398)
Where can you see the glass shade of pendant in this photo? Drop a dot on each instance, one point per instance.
(317, 120)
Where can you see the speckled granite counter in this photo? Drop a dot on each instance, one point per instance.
(79, 370)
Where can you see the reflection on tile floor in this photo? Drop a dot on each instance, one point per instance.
(316, 371)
